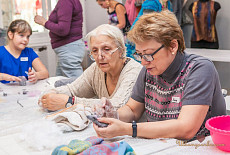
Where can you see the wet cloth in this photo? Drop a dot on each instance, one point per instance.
(72, 118)
(94, 145)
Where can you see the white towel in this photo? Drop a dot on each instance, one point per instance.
(72, 118)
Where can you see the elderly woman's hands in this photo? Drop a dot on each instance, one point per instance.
(115, 128)
(53, 101)
(105, 108)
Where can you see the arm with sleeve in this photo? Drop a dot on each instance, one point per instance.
(64, 10)
(138, 93)
(88, 90)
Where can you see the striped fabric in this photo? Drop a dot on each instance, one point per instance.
(204, 16)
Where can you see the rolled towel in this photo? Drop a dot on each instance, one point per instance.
(72, 118)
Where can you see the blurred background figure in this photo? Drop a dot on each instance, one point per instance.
(65, 25)
(117, 14)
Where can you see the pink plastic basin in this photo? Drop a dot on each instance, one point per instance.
(219, 128)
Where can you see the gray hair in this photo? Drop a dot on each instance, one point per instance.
(112, 32)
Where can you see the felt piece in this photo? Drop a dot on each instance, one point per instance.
(94, 145)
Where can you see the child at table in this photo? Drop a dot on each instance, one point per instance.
(16, 59)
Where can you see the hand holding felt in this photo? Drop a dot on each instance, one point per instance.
(105, 109)
(32, 76)
(54, 102)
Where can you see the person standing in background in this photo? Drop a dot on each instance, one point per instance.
(65, 25)
(117, 14)
(177, 9)
(187, 22)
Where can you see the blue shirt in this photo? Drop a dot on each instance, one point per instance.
(16, 66)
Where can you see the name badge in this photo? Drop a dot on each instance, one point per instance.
(175, 99)
(24, 58)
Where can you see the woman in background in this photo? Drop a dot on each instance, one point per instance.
(65, 26)
(117, 14)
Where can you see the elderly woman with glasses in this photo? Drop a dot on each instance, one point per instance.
(111, 76)
(176, 91)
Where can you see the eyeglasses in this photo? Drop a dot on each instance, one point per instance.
(147, 57)
(104, 53)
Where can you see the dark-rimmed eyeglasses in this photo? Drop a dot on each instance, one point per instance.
(147, 57)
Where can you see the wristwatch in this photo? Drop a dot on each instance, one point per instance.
(69, 102)
(134, 126)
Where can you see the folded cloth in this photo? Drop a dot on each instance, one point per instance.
(94, 145)
(72, 118)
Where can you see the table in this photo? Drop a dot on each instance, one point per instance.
(23, 129)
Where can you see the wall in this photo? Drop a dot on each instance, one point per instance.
(1, 24)
(223, 31)
(95, 15)
(222, 24)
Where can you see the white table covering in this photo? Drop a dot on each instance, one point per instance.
(22, 125)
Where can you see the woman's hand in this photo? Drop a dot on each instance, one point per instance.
(32, 76)
(105, 108)
(54, 102)
(39, 20)
(8, 77)
(115, 128)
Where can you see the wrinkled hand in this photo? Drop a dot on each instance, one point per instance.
(115, 128)
(105, 108)
(8, 77)
(39, 20)
(49, 91)
(32, 76)
(54, 102)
